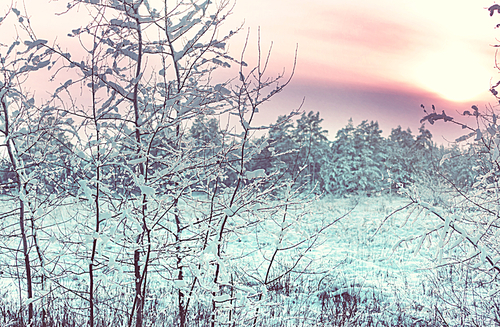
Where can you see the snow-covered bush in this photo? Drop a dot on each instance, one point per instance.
(466, 218)
(131, 195)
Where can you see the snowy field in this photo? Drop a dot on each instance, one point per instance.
(355, 271)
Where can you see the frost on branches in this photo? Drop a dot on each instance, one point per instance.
(132, 179)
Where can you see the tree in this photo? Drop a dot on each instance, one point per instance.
(204, 131)
(313, 149)
(401, 158)
(466, 222)
(358, 163)
(151, 130)
(409, 159)
(23, 127)
(298, 150)
(281, 151)
(124, 143)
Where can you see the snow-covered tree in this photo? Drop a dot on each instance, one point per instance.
(465, 225)
(358, 160)
(27, 134)
(400, 157)
(125, 144)
(313, 149)
(281, 151)
(410, 159)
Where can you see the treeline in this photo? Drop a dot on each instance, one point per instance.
(360, 160)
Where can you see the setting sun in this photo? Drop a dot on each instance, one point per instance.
(454, 73)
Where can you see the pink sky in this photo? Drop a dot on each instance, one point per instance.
(374, 60)
(379, 60)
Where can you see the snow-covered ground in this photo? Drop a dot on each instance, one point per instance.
(374, 252)
(360, 253)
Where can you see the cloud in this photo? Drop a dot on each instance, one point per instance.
(390, 104)
(367, 30)
(348, 45)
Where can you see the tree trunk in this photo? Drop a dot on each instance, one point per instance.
(13, 156)
(27, 264)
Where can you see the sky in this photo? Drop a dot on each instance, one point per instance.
(379, 60)
(365, 60)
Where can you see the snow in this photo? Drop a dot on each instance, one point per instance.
(346, 251)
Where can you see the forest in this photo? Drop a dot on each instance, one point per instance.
(360, 161)
(140, 191)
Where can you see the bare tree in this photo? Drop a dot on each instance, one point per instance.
(148, 209)
(24, 128)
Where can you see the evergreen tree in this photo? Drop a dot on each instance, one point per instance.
(401, 157)
(456, 167)
(204, 130)
(358, 163)
(426, 153)
(313, 148)
(282, 150)
(7, 176)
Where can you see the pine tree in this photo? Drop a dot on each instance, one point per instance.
(401, 157)
(358, 162)
(313, 149)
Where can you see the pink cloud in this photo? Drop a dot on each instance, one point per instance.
(353, 27)
(391, 105)
(374, 31)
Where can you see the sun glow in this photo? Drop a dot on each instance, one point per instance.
(455, 73)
